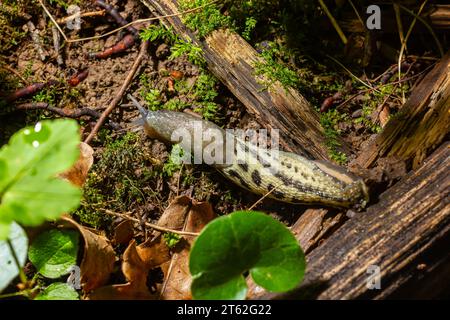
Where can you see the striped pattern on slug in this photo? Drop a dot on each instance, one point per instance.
(288, 177)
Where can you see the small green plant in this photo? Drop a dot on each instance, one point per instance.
(31, 193)
(273, 69)
(250, 24)
(209, 110)
(193, 53)
(29, 164)
(204, 87)
(206, 20)
(171, 239)
(158, 32)
(45, 95)
(152, 97)
(53, 253)
(175, 104)
(174, 162)
(239, 242)
(329, 121)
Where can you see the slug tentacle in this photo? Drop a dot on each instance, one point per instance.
(286, 176)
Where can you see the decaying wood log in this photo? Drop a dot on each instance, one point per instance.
(406, 234)
(421, 124)
(231, 59)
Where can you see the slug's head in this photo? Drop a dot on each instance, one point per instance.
(143, 121)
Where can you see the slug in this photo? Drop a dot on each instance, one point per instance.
(286, 177)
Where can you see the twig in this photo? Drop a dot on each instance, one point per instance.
(402, 49)
(125, 26)
(398, 18)
(120, 93)
(357, 13)
(262, 198)
(429, 28)
(116, 15)
(350, 73)
(16, 73)
(333, 22)
(53, 20)
(77, 113)
(56, 46)
(81, 15)
(150, 225)
(381, 86)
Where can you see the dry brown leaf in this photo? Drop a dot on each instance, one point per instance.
(135, 271)
(98, 257)
(384, 116)
(139, 260)
(77, 174)
(123, 232)
(174, 216)
(177, 284)
(154, 252)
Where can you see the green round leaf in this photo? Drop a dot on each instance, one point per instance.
(58, 291)
(8, 266)
(239, 242)
(30, 191)
(54, 252)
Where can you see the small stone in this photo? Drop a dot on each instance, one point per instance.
(162, 50)
(357, 114)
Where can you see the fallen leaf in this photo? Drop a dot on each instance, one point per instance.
(138, 261)
(384, 116)
(177, 284)
(135, 271)
(123, 232)
(98, 257)
(77, 174)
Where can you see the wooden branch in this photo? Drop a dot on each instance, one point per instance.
(421, 124)
(406, 234)
(231, 59)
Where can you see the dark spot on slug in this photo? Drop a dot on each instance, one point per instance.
(296, 169)
(256, 177)
(277, 194)
(244, 166)
(288, 165)
(241, 181)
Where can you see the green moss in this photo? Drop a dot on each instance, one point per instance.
(193, 53)
(206, 19)
(159, 32)
(329, 121)
(119, 180)
(274, 69)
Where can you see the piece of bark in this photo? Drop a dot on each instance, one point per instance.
(231, 59)
(421, 124)
(406, 234)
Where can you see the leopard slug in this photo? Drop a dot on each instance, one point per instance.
(288, 177)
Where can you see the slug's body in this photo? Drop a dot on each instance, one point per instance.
(287, 177)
